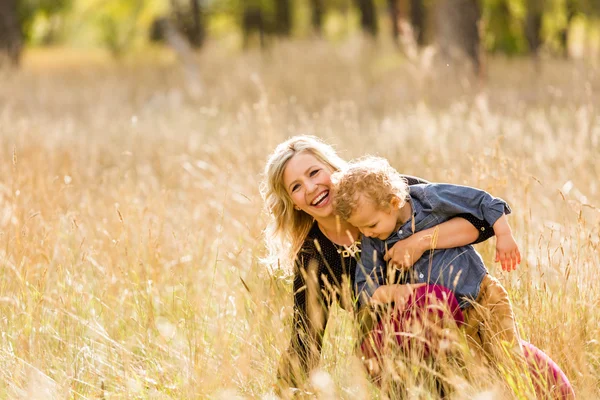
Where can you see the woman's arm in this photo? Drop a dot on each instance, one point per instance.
(485, 229)
(453, 233)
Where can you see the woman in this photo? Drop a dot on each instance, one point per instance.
(306, 234)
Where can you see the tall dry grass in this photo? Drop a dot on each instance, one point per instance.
(130, 220)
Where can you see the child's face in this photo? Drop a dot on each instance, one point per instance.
(372, 220)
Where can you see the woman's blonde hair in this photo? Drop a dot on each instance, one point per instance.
(288, 227)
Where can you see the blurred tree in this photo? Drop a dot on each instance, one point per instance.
(253, 22)
(283, 17)
(458, 30)
(504, 25)
(412, 11)
(189, 20)
(571, 8)
(263, 18)
(10, 33)
(317, 13)
(396, 13)
(117, 21)
(29, 10)
(587, 7)
(368, 16)
(417, 20)
(533, 25)
(196, 35)
(186, 22)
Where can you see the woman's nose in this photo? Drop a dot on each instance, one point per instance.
(310, 186)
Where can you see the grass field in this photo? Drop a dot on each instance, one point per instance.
(130, 218)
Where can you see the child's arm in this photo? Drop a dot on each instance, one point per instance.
(507, 250)
(453, 233)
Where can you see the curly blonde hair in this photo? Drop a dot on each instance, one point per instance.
(371, 176)
(288, 227)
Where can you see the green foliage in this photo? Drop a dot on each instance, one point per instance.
(30, 10)
(236, 7)
(120, 25)
(588, 7)
(503, 21)
(117, 22)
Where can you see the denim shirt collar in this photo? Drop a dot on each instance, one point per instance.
(406, 229)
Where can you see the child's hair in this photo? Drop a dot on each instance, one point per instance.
(371, 176)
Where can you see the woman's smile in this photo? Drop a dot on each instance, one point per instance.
(321, 200)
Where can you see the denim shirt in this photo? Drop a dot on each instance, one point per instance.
(460, 269)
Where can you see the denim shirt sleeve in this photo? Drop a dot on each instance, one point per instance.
(449, 200)
(370, 271)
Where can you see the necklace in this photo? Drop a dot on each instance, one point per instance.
(348, 251)
(351, 250)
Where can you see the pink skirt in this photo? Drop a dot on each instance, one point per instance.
(439, 307)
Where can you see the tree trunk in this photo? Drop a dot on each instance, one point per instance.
(317, 16)
(412, 10)
(283, 17)
(368, 16)
(394, 10)
(196, 34)
(458, 30)
(253, 22)
(533, 25)
(417, 19)
(571, 10)
(11, 39)
(189, 21)
(533, 28)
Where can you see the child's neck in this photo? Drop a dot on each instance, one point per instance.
(404, 214)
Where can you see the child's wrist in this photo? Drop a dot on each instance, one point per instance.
(424, 242)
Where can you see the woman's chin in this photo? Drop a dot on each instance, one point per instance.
(323, 212)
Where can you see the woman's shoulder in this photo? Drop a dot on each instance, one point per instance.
(308, 246)
(413, 180)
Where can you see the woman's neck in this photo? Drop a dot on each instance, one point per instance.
(338, 231)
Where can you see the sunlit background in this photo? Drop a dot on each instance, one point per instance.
(133, 136)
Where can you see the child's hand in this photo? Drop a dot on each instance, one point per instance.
(396, 293)
(382, 295)
(406, 252)
(507, 252)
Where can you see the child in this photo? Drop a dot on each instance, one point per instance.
(372, 196)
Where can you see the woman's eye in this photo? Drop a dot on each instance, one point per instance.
(314, 172)
(295, 187)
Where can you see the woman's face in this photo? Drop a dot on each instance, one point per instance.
(308, 182)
